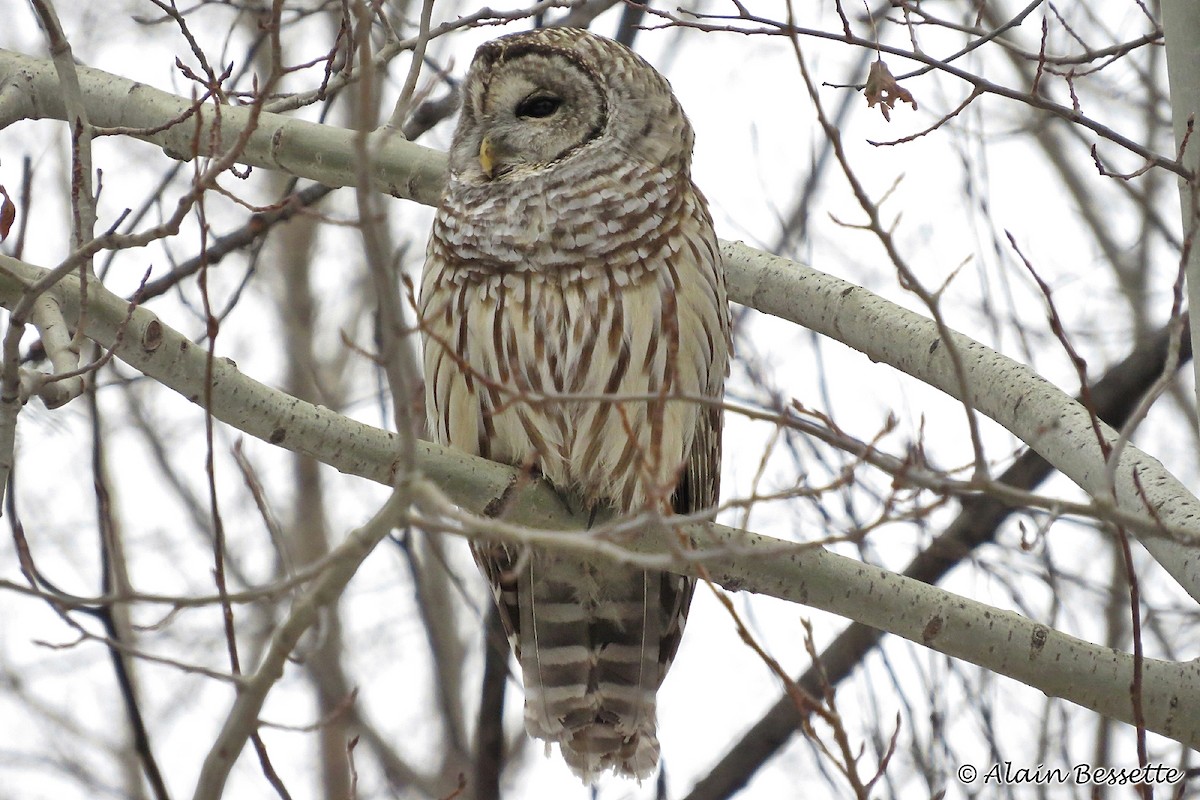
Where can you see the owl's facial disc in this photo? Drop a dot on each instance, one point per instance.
(534, 110)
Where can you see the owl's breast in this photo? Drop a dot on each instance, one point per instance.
(572, 377)
(581, 349)
(563, 222)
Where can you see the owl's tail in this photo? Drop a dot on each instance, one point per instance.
(596, 641)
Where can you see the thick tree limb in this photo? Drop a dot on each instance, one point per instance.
(1046, 418)
(184, 129)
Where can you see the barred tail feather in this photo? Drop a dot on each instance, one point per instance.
(591, 652)
(596, 748)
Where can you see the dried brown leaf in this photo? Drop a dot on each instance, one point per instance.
(883, 90)
(8, 213)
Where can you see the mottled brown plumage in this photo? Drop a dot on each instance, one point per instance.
(572, 257)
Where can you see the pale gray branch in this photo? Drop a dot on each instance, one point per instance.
(1181, 29)
(1033, 409)
(63, 352)
(303, 149)
(252, 692)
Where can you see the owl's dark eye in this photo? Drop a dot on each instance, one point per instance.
(538, 106)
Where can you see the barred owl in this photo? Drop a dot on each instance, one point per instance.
(576, 323)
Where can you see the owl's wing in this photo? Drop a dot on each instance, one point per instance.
(498, 564)
(698, 489)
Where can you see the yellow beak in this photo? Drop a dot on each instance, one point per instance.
(487, 157)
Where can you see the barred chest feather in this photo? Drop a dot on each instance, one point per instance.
(568, 331)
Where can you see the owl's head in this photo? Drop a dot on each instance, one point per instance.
(534, 100)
